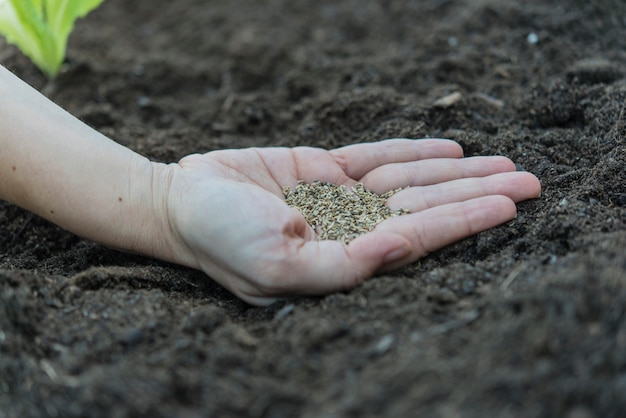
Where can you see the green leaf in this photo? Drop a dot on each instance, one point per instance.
(41, 28)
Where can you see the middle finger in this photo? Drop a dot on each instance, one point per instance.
(433, 171)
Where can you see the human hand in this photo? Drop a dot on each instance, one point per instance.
(224, 212)
(228, 216)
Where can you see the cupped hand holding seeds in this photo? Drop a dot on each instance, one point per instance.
(228, 209)
(226, 213)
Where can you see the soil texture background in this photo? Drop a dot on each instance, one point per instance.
(527, 319)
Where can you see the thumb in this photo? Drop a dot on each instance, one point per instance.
(376, 250)
(330, 266)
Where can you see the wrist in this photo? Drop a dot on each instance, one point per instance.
(153, 219)
(144, 218)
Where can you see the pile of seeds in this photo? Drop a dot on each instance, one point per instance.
(338, 214)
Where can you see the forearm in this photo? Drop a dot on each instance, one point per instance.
(57, 167)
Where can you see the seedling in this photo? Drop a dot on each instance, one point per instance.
(40, 28)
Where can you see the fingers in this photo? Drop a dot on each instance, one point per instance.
(433, 171)
(359, 159)
(517, 186)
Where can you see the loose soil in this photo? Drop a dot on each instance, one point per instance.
(527, 319)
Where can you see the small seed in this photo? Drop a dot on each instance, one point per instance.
(338, 214)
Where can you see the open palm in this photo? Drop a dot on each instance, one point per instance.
(227, 212)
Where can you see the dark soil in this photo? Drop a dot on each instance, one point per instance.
(527, 319)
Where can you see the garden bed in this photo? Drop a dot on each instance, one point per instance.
(527, 319)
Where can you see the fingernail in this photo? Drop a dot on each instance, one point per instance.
(396, 254)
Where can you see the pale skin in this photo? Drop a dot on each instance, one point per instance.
(223, 212)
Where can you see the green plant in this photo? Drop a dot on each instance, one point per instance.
(40, 28)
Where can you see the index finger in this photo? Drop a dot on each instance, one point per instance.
(359, 159)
